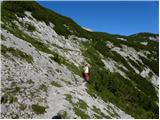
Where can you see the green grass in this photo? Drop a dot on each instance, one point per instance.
(57, 59)
(16, 52)
(152, 64)
(97, 116)
(98, 111)
(2, 37)
(78, 107)
(62, 48)
(43, 87)
(54, 83)
(80, 113)
(11, 93)
(114, 114)
(81, 104)
(73, 68)
(138, 66)
(91, 91)
(94, 57)
(13, 90)
(69, 98)
(38, 109)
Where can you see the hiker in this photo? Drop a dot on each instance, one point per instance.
(85, 74)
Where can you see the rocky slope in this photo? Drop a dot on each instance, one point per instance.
(42, 58)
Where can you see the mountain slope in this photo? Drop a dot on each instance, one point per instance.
(42, 58)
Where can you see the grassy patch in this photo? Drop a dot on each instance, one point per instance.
(69, 98)
(17, 53)
(137, 66)
(91, 91)
(114, 114)
(60, 60)
(94, 57)
(54, 83)
(2, 37)
(13, 90)
(38, 109)
(43, 87)
(97, 116)
(152, 64)
(80, 113)
(62, 48)
(81, 104)
(57, 59)
(98, 111)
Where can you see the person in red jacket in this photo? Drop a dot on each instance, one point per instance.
(85, 74)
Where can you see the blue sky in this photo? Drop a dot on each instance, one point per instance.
(123, 18)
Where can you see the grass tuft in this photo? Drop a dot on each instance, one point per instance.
(38, 109)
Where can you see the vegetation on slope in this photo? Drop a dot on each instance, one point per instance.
(138, 100)
(16, 52)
